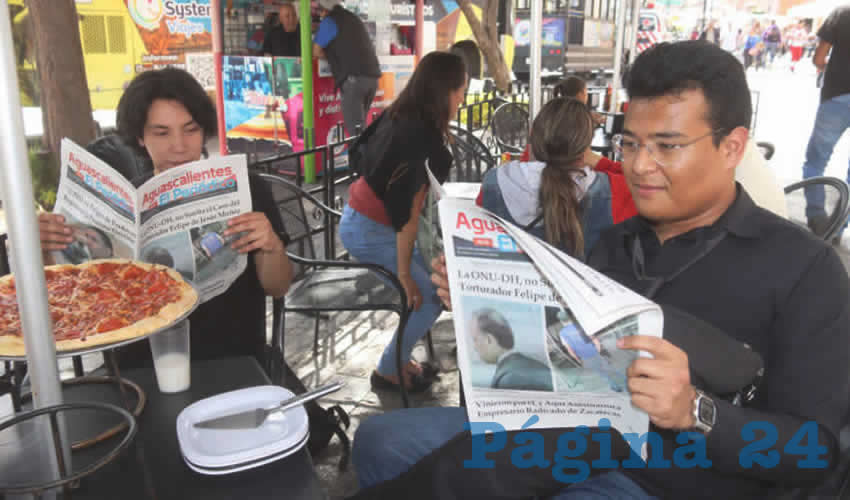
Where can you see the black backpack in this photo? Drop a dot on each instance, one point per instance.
(774, 35)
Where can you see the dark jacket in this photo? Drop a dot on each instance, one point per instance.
(520, 372)
(280, 42)
(391, 154)
(351, 53)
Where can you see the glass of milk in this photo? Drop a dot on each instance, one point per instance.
(170, 349)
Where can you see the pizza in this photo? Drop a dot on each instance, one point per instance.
(100, 302)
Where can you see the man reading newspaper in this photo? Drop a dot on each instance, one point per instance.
(699, 244)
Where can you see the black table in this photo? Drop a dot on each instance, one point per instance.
(292, 477)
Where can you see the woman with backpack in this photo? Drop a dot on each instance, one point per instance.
(380, 222)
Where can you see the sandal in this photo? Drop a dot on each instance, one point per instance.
(429, 370)
(417, 384)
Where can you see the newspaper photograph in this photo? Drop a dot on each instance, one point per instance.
(176, 218)
(536, 329)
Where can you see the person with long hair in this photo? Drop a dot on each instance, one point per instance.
(575, 87)
(380, 222)
(556, 196)
(571, 86)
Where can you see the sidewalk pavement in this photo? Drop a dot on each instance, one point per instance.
(350, 345)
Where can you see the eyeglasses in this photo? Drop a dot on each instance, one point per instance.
(665, 154)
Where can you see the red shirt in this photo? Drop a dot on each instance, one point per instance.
(363, 199)
(622, 204)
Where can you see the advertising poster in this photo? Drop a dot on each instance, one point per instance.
(170, 29)
(264, 103)
(251, 120)
(289, 100)
(598, 33)
(552, 32)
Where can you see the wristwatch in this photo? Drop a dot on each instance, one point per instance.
(705, 412)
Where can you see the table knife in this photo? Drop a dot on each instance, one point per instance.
(251, 419)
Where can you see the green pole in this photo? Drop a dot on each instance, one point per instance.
(307, 82)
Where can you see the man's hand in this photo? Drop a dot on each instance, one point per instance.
(661, 386)
(440, 279)
(259, 234)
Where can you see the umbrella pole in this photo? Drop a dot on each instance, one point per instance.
(16, 184)
(618, 55)
(536, 48)
(636, 4)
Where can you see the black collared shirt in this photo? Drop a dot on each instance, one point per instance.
(774, 286)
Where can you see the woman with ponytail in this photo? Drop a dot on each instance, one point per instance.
(557, 197)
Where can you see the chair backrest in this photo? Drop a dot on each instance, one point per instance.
(820, 203)
(304, 217)
(471, 157)
(509, 125)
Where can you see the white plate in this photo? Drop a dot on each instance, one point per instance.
(250, 465)
(222, 448)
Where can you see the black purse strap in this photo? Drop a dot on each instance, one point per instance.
(657, 282)
(745, 394)
(533, 223)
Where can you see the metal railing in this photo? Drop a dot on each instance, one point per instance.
(333, 179)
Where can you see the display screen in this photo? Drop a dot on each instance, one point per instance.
(553, 32)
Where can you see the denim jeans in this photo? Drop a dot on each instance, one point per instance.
(833, 118)
(357, 95)
(385, 446)
(369, 241)
(772, 49)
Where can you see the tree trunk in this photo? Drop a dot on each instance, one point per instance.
(488, 40)
(65, 103)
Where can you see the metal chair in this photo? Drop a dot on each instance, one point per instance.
(323, 285)
(471, 157)
(509, 126)
(767, 149)
(828, 222)
(836, 194)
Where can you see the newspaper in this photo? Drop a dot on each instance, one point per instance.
(537, 329)
(176, 218)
